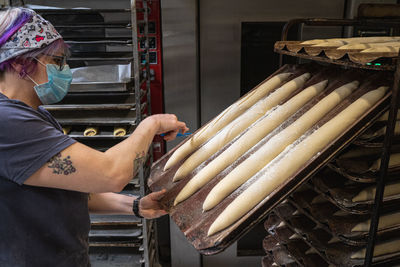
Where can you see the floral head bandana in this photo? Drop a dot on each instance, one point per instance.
(34, 34)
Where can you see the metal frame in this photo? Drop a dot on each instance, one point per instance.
(394, 105)
(137, 67)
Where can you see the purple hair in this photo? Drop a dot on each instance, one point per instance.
(26, 59)
(15, 26)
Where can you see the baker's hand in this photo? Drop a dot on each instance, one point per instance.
(150, 206)
(169, 125)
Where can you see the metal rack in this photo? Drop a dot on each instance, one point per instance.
(111, 36)
(394, 105)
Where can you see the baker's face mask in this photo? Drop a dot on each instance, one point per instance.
(59, 81)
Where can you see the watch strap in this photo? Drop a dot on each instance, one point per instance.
(135, 207)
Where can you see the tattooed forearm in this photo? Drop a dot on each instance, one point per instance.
(61, 165)
(139, 160)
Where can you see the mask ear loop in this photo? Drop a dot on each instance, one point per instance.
(40, 62)
(27, 75)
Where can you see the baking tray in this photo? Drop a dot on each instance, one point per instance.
(376, 143)
(271, 222)
(326, 217)
(269, 243)
(341, 227)
(340, 254)
(310, 200)
(318, 218)
(332, 251)
(350, 57)
(280, 237)
(96, 115)
(315, 238)
(282, 257)
(357, 169)
(377, 131)
(268, 261)
(188, 215)
(101, 86)
(299, 251)
(340, 192)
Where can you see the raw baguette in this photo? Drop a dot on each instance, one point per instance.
(355, 40)
(382, 49)
(368, 45)
(385, 116)
(369, 192)
(225, 118)
(293, 160)
(385, 221)
(238, 125)
(275, 145)
(384, 248)
(394, 161)
(249, 139)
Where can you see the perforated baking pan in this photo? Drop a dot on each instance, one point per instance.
(188, 215)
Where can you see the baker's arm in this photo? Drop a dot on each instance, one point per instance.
(112, 203)
(81, 168)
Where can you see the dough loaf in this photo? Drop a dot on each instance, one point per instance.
(293, 160)
(353, 40)
(226, 117)
(91, 131)
(369, 45)
(381, 132)
(249, 139)
(356, 40)
(66, 129)
(119, 131)
(238, 125)
(369, 192)
(274, 146)
(382, 49)
(385, 221)
(385, 116)
(384, 248)
(394, 161)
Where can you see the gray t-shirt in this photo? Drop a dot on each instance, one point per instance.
(38, 226)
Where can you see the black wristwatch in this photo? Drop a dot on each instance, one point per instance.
(135, 207)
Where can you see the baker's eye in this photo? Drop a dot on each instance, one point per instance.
(57, 61)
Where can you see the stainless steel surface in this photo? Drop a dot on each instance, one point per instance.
(100, 87)
(180, 61)
(220, 39)
(182, 253)
(82, 3)
(229, 258)
(180, 93)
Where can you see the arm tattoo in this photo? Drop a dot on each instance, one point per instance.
(139, 160)
(61, 166)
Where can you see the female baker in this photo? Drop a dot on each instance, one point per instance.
(48, 181)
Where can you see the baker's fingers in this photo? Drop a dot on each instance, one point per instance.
(158, 195)
(171, 135)
(184, 129)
